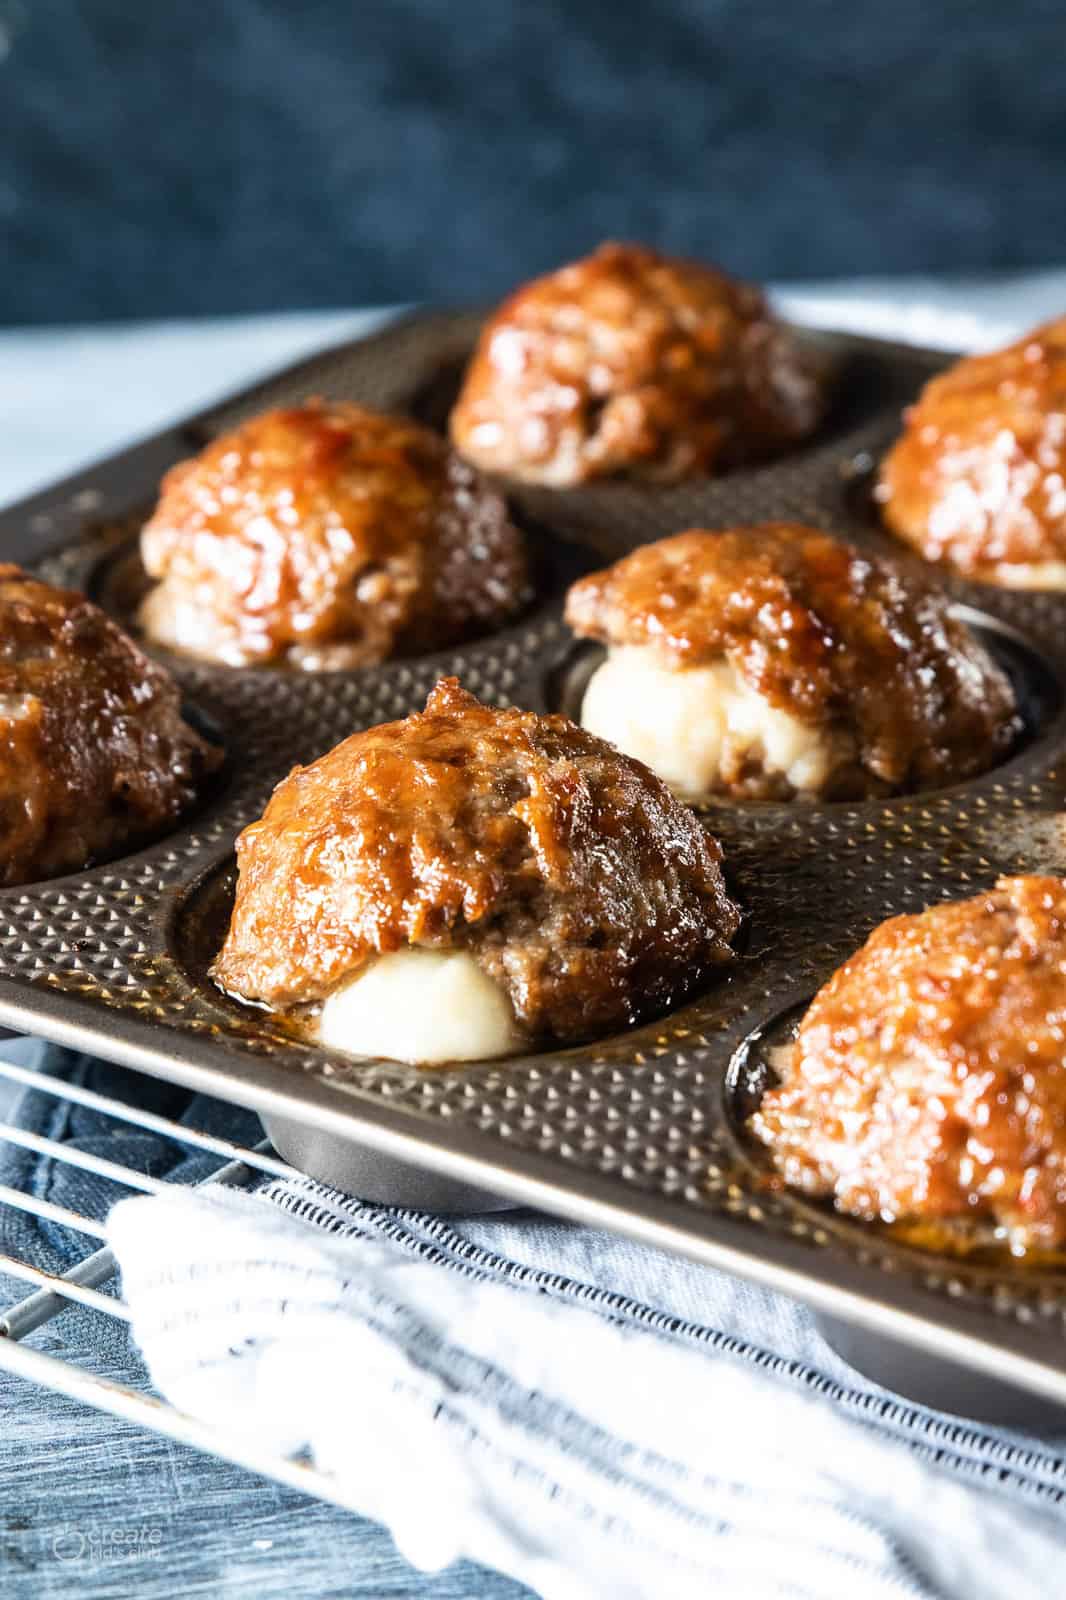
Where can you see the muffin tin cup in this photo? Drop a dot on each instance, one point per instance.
(373, 1176)
(929, 1380)
(640, 1131)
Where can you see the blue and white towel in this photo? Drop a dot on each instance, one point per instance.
(595, 1418)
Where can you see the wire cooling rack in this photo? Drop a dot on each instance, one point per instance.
(91, 1282)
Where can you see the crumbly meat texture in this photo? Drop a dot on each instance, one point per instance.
(837, 638)
(978, 478)
(566, 870)
(632, 362)
(94, 754)
(328, 536)
(928, 1079)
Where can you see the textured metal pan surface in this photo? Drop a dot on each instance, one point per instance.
(638, 1132)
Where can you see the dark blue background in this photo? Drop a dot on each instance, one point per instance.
(222, 155)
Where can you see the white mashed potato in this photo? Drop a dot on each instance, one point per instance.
(698, 726)
(1032, 575)
(421, 1006)
(171, 615)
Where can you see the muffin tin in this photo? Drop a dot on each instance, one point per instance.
(642, 1132)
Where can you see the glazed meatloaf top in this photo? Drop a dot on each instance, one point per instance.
(978, 477)
(928, 1079)
(633, 362)
(833, 635)
(331, 536)
(94, 753)
(567, 870)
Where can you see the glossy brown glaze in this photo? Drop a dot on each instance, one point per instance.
(566, 870)
(978, 478)
(633, 362)
(94, 754)
(928, 1079)
(836, 637)
(328, 536)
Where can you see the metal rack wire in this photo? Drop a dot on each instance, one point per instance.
(89, 1283)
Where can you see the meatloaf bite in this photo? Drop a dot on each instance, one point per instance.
(469, 882)
(327, 536)
(94, 754)
(632, 362)
(927, 1084)
(773, 661)
(978, 479)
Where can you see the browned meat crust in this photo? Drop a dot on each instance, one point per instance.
(978, 478)
(928, 1080)
(631, 362)
(94, 754)
(834, 636)
(328, 536)
(566, 870)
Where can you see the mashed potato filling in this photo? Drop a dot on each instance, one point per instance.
(175, 616)
(698, 727)
(1030, 574)
(420, 1006)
